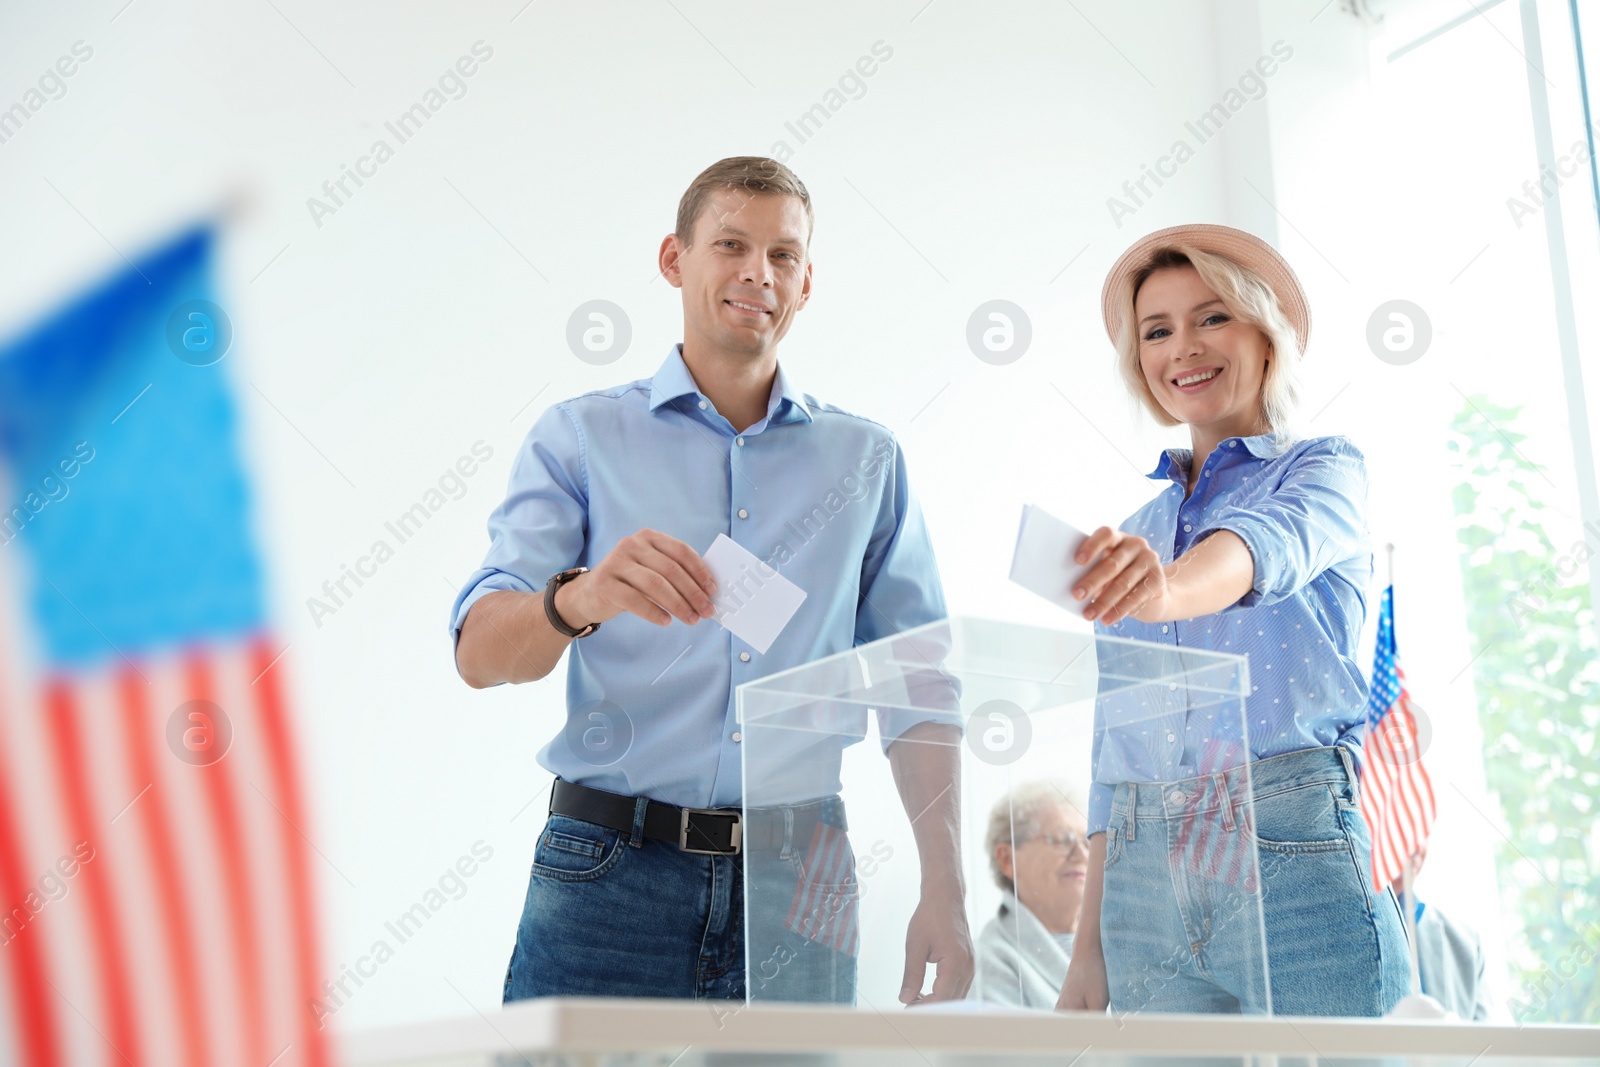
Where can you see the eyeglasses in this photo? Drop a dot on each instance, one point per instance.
(1064, 843)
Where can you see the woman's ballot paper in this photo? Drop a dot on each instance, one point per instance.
(1044, 558)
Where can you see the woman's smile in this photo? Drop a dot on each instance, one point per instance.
(1197, 381)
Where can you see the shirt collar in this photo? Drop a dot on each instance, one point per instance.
(784, 389)
(1174, 462)
(673, 380)
(1009, 903)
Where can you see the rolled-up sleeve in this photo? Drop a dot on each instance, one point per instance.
(900, 590)
(1314, 518)
(1100, 796)
(540, 526)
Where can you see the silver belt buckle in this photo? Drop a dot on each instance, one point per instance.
(736, 833)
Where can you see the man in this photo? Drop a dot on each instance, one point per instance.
(636, 887)
(1038, 846)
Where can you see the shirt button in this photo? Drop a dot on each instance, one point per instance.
(702, 405)
(743, 514)
(1171, 736)
(737, 737)
(1188, 528)
(1163, 627)
(744, 657)
(739, 441)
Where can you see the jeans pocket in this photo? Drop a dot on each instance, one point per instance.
(829, 868)
(571, 850)
(827, 894)
(1300, 819)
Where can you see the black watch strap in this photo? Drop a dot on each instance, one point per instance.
(556, 582)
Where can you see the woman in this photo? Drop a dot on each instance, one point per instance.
(1258, 547)
(1038, 849)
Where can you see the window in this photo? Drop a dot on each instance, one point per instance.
(1490, 185)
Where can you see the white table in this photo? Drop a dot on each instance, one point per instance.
(599, 1032)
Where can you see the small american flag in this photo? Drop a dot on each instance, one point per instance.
(157, 899)
(1396, 793)
(826, 904)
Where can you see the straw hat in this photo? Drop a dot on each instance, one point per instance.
(1245, 249)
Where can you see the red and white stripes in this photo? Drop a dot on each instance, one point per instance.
(1397, 798)
(157, 898)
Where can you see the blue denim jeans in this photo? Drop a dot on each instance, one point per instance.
(614, 914)
(1187, 916)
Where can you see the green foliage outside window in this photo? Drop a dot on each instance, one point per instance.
(1537, 675)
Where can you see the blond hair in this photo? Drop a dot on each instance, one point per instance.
(754, 174)
(1250, 299)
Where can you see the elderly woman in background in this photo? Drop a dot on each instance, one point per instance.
(1257, 545)
(1038, 848)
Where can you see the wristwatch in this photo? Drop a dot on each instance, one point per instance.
(556, 582)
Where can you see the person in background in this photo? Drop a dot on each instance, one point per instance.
(1038, 846)
(1449, 956)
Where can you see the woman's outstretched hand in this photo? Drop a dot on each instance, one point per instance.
(1129, 580)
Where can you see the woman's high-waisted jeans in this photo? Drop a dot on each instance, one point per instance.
(1187, 914)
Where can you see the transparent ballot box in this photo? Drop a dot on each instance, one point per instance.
(929, 791)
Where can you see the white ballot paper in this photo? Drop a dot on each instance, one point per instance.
(1044, 558)
(753, 601)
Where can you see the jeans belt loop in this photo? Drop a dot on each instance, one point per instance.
(640, 806)
(1133, 808)
(1220, 781)
(1349, 769)
(788, 833)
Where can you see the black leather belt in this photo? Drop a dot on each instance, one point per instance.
(707, 831)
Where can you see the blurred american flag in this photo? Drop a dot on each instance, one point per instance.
(1396, 792)
(157, 899)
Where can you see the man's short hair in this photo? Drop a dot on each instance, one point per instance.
(756, 174)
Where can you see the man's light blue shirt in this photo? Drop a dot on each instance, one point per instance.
(1302, 514)
(816, 492)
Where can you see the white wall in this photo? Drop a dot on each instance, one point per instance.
(429, 312)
